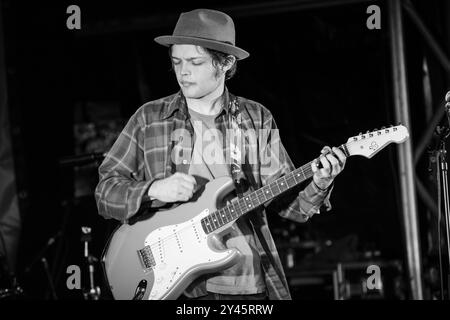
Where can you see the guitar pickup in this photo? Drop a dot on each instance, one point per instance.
(146, 257)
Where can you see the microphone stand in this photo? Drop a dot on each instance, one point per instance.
(93, 292)
(41, 257)
(442, 172)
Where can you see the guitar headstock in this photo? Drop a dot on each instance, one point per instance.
(370, 143)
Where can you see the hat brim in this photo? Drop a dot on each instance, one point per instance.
(210, 44)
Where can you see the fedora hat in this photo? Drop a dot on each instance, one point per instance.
(211, 29)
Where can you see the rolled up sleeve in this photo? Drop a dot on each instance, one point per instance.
(122, 187)
(298, 206)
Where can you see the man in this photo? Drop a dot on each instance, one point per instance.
(172, 146)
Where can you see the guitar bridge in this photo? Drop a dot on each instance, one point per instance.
(146, 257)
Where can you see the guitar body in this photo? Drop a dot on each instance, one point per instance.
(180, 250)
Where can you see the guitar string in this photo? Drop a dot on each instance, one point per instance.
(187, 228)
(171, 237)
(237, 206)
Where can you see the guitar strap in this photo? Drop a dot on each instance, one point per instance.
(239, 179)
(235, 130)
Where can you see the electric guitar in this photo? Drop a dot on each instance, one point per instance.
(159, 257)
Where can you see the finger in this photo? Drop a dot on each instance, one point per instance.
(184, 194)
(334, 164)
(184, 197)
(341, 156)
(326, 167)
(325, 150)
(314, 167)
(189, 178)
(188, 185)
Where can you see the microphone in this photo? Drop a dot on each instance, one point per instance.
(444, 131)
(81, 159)
(447, 105)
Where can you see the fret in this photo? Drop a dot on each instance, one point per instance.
(278, 187)
(234, 214)
(219, 218)
(227, 211)
(209, 222)
(266, 195)
(261, 197)
(294, 176)
(268, 192)
(248, 202)
(282, 184)
(240, 208)
(287, 179)
(254, 199)
(243, 206)
(223, 216)
(308, 172)
(303, 173)
(207, 226)
(275, 192)
(291, 180)
(215, 220)
(298, 175)
(248, 205)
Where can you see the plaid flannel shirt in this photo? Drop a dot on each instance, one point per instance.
(146, 150)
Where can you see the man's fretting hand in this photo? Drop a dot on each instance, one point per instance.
(333, 162)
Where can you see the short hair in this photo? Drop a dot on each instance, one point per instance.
(218, 59)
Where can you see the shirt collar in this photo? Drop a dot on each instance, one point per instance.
(179, 103)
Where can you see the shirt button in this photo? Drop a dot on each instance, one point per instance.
(185, 161)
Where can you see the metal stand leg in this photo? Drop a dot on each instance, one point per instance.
(444, 183)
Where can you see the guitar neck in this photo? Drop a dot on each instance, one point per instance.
(249, 202)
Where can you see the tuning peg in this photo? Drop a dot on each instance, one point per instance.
(383, 127)
(375, 129)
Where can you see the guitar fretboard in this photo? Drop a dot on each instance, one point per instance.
(249, 202)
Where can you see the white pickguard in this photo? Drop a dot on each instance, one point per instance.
(178, 249)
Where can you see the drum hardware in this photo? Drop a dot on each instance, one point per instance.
(92, 292)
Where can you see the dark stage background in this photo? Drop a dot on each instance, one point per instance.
(321, 72)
